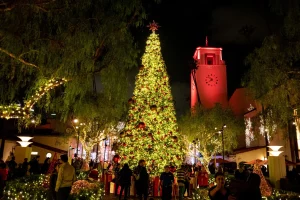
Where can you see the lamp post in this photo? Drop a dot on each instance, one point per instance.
(104, 140)
(223, 149)
(75, 121)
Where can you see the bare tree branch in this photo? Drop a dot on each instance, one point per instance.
(18, 58)
(38, 5)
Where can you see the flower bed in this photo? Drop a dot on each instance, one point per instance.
(202, 194)
(37, 187)
(84, 189)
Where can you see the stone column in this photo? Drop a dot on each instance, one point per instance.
(277, 169)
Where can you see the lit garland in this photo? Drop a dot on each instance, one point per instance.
(16, 111)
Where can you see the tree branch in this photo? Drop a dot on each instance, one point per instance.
(38, 5)
(18, 58)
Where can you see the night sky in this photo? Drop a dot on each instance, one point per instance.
(184, 26)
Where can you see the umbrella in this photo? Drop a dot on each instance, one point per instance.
(219, 160)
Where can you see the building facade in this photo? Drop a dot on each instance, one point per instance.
(209, 87)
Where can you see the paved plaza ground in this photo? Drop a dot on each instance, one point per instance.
(112, 197)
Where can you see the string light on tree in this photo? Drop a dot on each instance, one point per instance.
(15, 111)
(249, 132)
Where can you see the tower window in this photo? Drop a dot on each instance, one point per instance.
(210, 59)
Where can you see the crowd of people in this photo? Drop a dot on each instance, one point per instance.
(245, 186)
(10, 169)
(61, 179)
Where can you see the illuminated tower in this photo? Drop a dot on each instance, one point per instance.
(208, 79)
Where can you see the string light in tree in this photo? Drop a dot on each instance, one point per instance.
(15, 111)
(249, 132)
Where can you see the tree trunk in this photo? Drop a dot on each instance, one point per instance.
(87, 155)
(2, 147)
(265, 132)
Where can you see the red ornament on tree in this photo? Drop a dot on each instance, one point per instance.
(153, 107)
(141, 67)
(122, 134)
(131, 101)
(175, 138)
(142, 125)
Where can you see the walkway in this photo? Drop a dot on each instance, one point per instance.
(112, 197)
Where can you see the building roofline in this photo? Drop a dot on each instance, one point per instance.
(210, 48)
(245, 149)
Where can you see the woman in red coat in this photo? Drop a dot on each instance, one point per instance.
(203, 178)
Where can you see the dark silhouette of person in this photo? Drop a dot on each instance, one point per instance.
(25, 167)
(34, 165)
(125, 180)
(46, 166)
(142, 180)
(247, 189)
(12, 165)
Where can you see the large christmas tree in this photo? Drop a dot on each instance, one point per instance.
(151, 131)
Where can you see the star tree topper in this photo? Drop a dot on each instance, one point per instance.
(153, 26)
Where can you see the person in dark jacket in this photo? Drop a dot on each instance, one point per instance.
(34, 165)
(117, 177)
(25, 167)
(247, 189)
(142, 180)
(125, 180)
(12, 166)
(46, 166)
(166, 181)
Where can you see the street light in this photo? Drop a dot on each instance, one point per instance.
(75, 121)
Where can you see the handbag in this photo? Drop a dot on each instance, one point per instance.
(137, 176)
